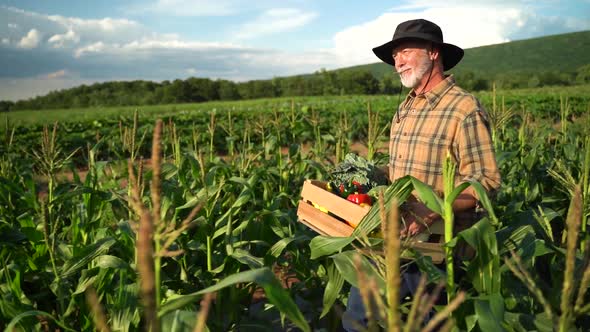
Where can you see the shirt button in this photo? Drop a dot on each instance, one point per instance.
(405, 134)
(399, 157)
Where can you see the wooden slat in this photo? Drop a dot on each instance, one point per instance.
(434, 250)
(321, 222)
(337, 205)
(438, 227)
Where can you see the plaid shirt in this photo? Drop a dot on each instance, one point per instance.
(445, 119)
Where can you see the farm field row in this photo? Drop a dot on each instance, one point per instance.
(545, 101)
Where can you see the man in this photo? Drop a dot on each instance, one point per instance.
(437, 118)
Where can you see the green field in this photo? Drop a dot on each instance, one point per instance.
(116, 219)
(545, 101)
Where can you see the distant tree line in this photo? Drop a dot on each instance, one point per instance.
(323, 82)
(525, 79)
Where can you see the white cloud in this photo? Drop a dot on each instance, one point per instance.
(275, 21)
(278, 63)
(92, 48)
(12, 26)
(31, 40)
(469, 25)
(71, 30)
(5, 41)
(92, 30)
(139, 47)
(57, 74)
(60, 40)
(190, 7)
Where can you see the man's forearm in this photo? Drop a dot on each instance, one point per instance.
(464, 202)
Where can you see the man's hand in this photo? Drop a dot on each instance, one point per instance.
(417, 218)
(412, 228)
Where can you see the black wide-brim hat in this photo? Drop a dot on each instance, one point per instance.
(423, 30)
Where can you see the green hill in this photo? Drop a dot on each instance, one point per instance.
(563, 53)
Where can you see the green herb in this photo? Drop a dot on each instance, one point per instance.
(356, 168)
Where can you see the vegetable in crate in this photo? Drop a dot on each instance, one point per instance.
(357, 169)
(360, 199)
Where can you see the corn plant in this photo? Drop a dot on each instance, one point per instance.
(499, 117)
(374, 131)
(50, 159)
(211, 131)
(572, 302)
(130, 144)
(342, 137)
(315, 122)
(231, 135)
(174, 141)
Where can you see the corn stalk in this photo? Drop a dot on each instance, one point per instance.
(374, 132)
(154, 236)
(499, 117)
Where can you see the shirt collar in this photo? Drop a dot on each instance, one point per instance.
(435, 95)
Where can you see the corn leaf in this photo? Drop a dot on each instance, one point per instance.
(484, 268)
(277, 249)
(84, 283)
(514, 237)
(263, 277)
(33, 313)
(427, 195)
(399, 190)
(345, 263)
(179, 321)
(327, 245)
(489, 311)
(246, 258)
(458, 190)
(483, 198)
(333, 287)
(85, 256)
(108, 261)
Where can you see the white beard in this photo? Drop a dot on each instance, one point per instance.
(412, 77)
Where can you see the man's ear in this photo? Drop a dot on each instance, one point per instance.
(433, 53)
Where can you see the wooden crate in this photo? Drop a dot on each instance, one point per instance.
(344, 215)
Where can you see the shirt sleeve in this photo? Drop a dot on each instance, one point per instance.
(477, 160)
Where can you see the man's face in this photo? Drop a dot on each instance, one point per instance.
(412, 62)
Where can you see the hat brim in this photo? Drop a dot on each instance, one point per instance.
(451, 54)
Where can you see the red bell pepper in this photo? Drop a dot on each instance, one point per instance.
(360, 199)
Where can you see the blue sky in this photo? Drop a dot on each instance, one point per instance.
(49, 45)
